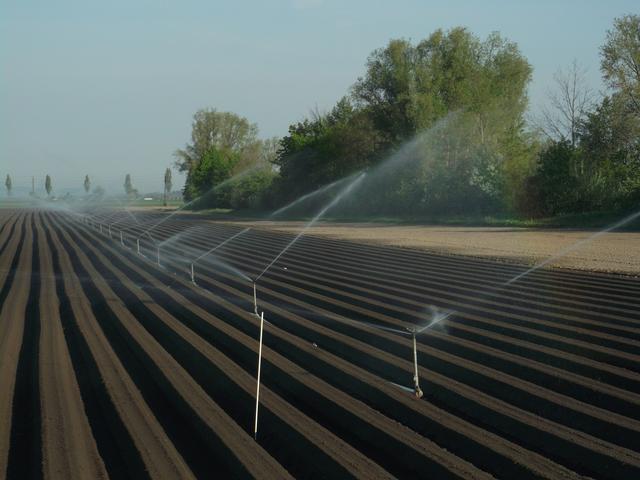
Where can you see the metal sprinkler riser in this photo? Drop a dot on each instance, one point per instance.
(416, 378)
(255, 300)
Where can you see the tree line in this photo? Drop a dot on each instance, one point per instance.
(465, 99)
(99, 192)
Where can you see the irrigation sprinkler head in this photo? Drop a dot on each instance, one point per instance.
(416, 377)
(193, 276)
(255, 424)
(418, 392)
(255, 300)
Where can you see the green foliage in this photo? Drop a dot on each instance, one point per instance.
(216, 130)
(553, 188)
(252, 190)
(167, 185)
(213, 169)
(439, 125)
(609, 166)
(324, 149)
(47, 184)
(471, 92)
(407, 88)
(620, 59)
(128, 187)
(601, 173)
(223, 144)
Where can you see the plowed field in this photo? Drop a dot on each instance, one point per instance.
(116, 365)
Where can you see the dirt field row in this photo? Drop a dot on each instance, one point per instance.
(613, 252)
(115, 365)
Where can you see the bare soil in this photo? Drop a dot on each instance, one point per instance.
(115, 366)
(612, 252)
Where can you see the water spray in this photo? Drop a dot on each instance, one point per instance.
(308, 195)
(211, 250)
(313, 221)
(572, 247)
(213, 189)
(414, 331)
(339, 197)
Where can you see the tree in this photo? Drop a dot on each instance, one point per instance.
(610, 151)
(620, 59)
(223, 144)
(328, 147)
(467, 92)
(87, 184)
(553, 189)
(212, 129)
(167, 184)
(128, 187)
(9, 184)
(209, 173)
(569, 105)
(47, 185)
(407, 88)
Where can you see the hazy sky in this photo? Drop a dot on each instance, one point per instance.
(108, 88)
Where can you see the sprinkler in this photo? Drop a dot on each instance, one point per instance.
(416, 378)
(121, 238)
(255, 423)
(193, 277)
(138, 245)
(255, 299)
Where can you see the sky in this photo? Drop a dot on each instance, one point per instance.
(110, 88)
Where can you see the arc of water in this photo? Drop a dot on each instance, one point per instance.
(222, 244)
(313, 221)
(124, 207)
(211, 250)
(213, 189)
(309, 195)
(572, 247)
